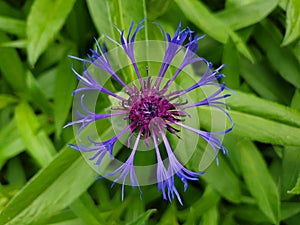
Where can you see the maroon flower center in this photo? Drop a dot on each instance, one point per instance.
(144, 109)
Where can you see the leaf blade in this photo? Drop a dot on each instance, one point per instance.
(211, 25)
(292, 22)
(37, 143)
(259, 181)
(44, 21)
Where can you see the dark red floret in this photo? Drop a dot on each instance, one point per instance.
(144, 109)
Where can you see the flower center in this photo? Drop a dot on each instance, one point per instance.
(147, 108)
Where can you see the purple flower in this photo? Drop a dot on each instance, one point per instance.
(152, 110)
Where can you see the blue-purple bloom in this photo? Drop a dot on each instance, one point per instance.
(151, 109)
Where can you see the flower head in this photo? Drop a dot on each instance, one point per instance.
(151, 108)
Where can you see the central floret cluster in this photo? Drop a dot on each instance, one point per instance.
(151, 109)
(148, 103)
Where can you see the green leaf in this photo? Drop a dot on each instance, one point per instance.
(289, 209)
(142, 218)
(35, 139)
(36, 94)
(15, 173)
(251, 104)
(63, 217)
(258, 76)
(11, 144)
(292, 22)
(137, 207)
(85, 209)
(240, 16)
(169, 217)
(107, 14)
(290, 170)
(296, 189)
(45, 19)
(251, 214)
(209, 199)
(253, 127)
(47, 193)
(223, 180)
(157, 8)
(7, 9)
(197, 13)
(296, 100)
(259, 181)
(46, 82)
(232, 66)
(11, 67)
(6, 100)
(21, 43)
(211, 216)
(54, 188)
(12, 26)
(282, 59)
(65, 83)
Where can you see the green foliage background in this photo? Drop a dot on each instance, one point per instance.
(45, 182)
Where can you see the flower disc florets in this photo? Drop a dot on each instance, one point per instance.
(148, 103)
(152, 109)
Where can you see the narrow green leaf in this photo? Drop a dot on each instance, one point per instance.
(251, 104)
(84, 207)
(107, 14)
(11, 67)
(12, 26)
(290, 170)
(143, 218)
(282, 59)
(22, 43)
(65, 83)
(62, 217)
(157, 8)
(232, 66)
(244, 15)
(259, 181)
(76, 221)
(11, 143)
(6, 9)
(237, 3)
(223, 180)
(6, 100)
(209, 199)
(137, 207)
(36, 95)
(296, 100)
(211, 216)
(296, 189)
(169, 217)
(46, 82)
(197, 13)
(289, 209)
(100, 13)
(15, 173)
(292, 22)
(52, 56)
(45, 19)
(258, 76)
(36, 141)
(47, 192)
(252, 214)
(253, 127)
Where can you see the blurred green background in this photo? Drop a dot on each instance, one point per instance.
(45, 182)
